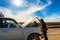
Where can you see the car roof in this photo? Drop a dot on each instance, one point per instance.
(8, 19)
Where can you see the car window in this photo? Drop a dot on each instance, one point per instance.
(9, 24)
(1, 23)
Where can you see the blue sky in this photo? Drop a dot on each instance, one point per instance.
(49, 10)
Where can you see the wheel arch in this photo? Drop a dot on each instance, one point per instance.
(33, 34)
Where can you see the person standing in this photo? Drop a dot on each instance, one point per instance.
(44, 29)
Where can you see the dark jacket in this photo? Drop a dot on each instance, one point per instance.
(44, 26)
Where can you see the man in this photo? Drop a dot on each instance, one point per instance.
(44, 29)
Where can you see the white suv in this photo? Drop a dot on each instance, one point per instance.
(11, 30)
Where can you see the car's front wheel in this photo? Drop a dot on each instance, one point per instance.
(34, 37)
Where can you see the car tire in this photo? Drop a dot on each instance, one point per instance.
(34, 37)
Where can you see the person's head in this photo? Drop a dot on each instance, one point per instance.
(42, 20)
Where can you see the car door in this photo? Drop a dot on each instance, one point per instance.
(10, 31)
(0, 29)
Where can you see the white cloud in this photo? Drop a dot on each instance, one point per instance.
(19, 17)
(17, 3)
(31, 10)
(6, 12)
(52, 18)
(24, 14)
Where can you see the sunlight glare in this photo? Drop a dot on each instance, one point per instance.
(17, 3)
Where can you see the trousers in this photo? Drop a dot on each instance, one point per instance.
(45, 35)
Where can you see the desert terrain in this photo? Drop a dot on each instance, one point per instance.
(53, 30)
(53, 34)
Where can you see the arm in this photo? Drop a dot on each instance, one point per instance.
(39, 20)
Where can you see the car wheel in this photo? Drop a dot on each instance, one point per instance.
(34, 37)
